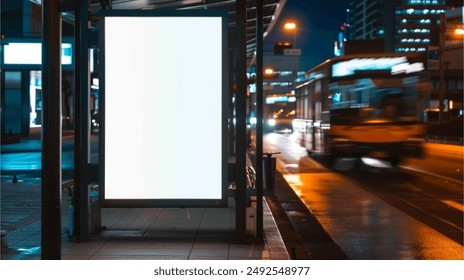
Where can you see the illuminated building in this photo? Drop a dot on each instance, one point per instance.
(403, 25)
(413, 26)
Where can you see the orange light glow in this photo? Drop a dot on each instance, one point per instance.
(290, 26)
(459, 31)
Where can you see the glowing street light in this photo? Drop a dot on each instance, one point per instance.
(291, 26)
(459, 31)
(268, 71)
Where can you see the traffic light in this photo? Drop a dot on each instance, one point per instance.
(279, 47)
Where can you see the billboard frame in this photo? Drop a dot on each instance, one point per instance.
(165, 202)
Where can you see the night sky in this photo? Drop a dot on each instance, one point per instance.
(319, 25)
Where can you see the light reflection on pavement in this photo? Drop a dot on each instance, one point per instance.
(363, 225)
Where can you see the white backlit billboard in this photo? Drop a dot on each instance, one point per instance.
(163, 105)
(30, 53)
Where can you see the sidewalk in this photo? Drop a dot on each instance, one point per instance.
(127, 233)
(132, 233)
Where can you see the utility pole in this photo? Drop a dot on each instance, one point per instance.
(240, 142)
(82, 130)
(51, 131)
(259, 124)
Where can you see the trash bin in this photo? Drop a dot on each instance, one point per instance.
(269, 169)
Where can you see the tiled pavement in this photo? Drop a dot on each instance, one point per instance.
(133, 233)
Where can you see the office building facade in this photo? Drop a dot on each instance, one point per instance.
(403, 25)
(414, 26)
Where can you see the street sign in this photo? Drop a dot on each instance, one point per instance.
(292, 52)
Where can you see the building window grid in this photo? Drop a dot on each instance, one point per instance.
(415, 21)
(415, 40)
(426, 2)
(423, 11)
(414, 31)
(422, 21)
(411, 49)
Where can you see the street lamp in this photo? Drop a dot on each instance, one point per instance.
(268, 71)
(291, 26)
(459, 31)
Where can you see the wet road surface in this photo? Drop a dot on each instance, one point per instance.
(374, 212)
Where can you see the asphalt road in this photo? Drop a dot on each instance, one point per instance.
(374, 211)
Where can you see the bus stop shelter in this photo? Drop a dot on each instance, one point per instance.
(248, 22)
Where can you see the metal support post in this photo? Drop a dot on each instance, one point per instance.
(241, 81)
(26, 99)
(82, 122)
(231, 140)
(259, 123)
(51, 131)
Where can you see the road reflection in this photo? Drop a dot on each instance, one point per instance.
(363, 224)
(366, 227)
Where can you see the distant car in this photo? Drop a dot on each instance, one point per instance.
(281, 120)
(95, 123)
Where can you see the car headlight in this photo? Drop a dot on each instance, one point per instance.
(271, 122)
(253, 121)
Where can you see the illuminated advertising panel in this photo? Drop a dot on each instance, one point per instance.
(396, 65)
(30, 53)
(164, 108)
